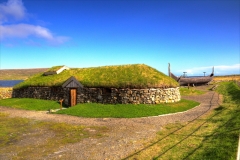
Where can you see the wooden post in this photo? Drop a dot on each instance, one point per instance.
(61, 100)
(184, 74)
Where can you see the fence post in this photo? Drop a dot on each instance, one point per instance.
(61, 100)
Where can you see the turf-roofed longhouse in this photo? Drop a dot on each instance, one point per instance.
(137, 83)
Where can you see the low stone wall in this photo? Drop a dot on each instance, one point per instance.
(133, 96)
(102, 95)
(5, 92)
(47, 93)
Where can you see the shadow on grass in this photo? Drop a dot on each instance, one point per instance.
(219, 108)
(171, 133)
(222, 143)
(234, 93)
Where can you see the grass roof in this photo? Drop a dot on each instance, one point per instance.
(121, 76)
(54, 68)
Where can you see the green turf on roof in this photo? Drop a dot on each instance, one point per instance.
(121, 76)
(54, 68)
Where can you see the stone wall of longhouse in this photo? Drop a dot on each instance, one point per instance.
(133, 96)
(102, 95)
(47, 93)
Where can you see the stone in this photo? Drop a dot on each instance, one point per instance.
(135, 96)
(131, 99)
(153, 99)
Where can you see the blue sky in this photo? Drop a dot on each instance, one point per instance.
(192, 35)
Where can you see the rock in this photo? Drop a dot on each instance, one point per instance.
(112, 96)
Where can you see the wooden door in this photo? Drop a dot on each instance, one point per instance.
(73, 97)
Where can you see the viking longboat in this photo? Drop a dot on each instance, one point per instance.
(183, 81)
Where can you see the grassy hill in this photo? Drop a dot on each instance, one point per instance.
(227, 78)
(19, 74)
(121, 76)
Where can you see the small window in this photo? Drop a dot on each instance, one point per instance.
(106, 91)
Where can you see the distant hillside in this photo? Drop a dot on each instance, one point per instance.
(19, 74)
(227, 78)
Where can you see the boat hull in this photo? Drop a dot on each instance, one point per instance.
(194, 81)
(191, 80)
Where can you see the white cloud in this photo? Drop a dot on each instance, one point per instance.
(15, 10)
(26, 30)
(221, 70)
(199, 69)
(12, 9)
(225, 68)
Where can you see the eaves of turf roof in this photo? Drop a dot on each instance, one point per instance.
(121, 76)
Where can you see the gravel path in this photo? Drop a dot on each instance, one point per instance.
(124, 136)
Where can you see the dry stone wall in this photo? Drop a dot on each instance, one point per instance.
(133, 96)
(47, 93)
(102, 95)
(5, 92)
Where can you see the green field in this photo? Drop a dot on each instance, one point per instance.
(190, 91)
(101, 110)
(127, 110)
(30, 104)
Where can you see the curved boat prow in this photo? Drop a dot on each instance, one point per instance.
(212, 74)
(170, 74)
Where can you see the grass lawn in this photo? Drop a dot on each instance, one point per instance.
(212, 137)
(30, 104)
(191, 91)
(101, 110)
(127, 110)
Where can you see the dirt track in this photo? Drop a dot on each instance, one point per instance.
(124, 137)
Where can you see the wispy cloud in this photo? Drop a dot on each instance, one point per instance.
(26, 30)
(220, 70)
(232, 67)
(14, 10)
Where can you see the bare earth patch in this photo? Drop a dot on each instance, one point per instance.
(123, 137)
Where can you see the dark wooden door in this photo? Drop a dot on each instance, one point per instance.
(73, 97)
